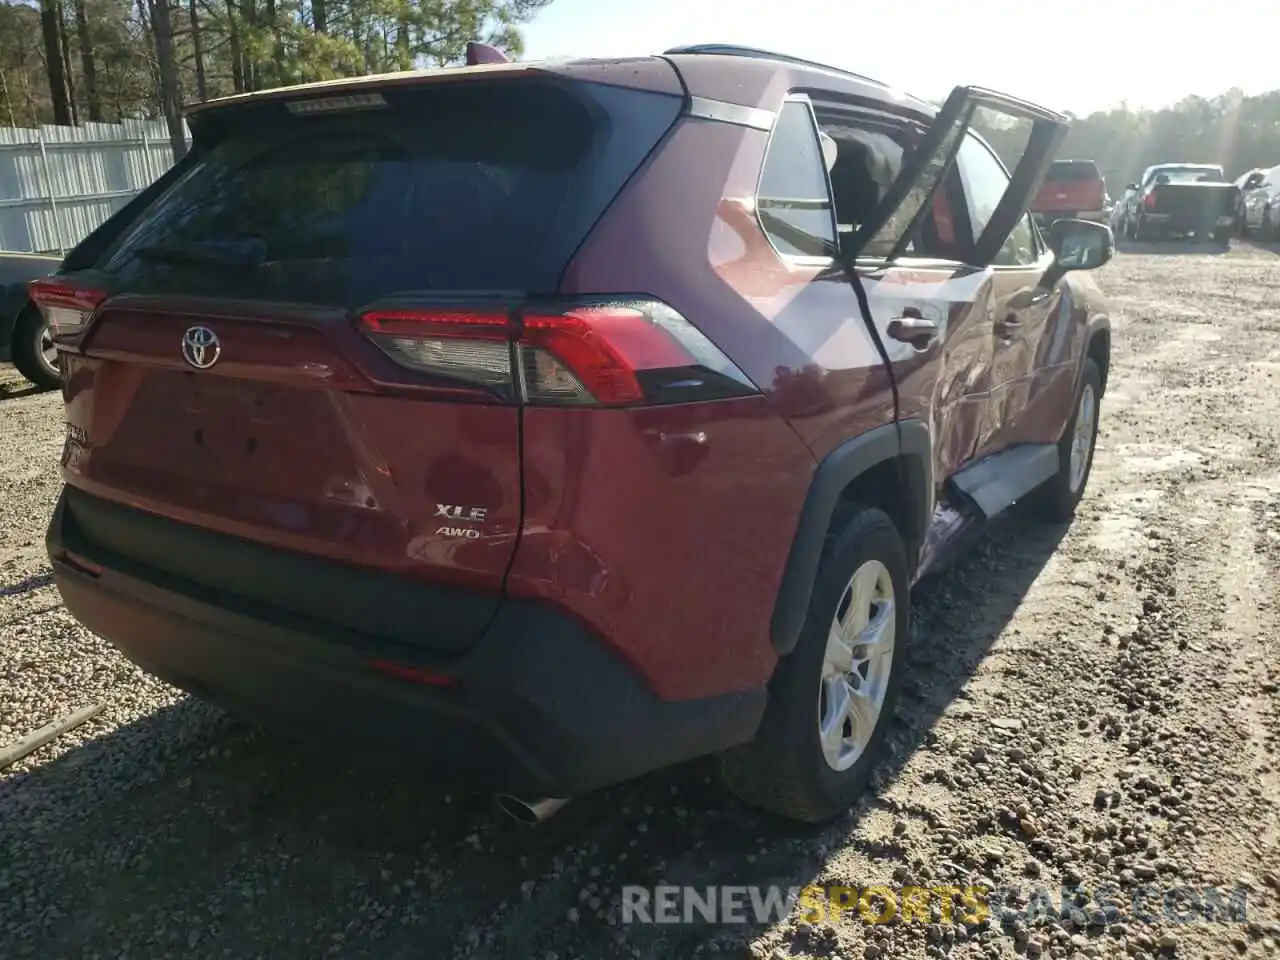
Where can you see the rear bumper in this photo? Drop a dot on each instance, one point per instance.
(1189, 222)
(537, 705)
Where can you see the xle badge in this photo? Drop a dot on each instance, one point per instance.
(460, 514)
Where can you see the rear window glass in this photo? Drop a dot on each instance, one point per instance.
(793, 202)
(467, 187)
(1061, 172)
(1188, 175)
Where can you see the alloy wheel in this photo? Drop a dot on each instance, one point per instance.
(856, 665)
(1082, 437)
(45, 348)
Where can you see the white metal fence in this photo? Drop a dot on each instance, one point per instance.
(57, 184)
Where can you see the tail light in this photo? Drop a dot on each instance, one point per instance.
(65, 306)
(1149, 200)
(600, 353)
(469, 346)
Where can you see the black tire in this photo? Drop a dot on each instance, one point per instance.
(28, 354)
(1222, 238)
(1057, 498)
(1265, 232)
(783, 769)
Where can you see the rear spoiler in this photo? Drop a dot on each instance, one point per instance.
(477, 55)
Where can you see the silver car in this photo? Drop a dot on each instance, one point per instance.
(1118, 208)
(1261, 207)
(1246, 183)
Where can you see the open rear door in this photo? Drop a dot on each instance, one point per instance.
(886, 233)
(912, 310)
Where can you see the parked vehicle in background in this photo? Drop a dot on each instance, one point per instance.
(1181, 199)
(570, 419)
(1245, 184)
(25, 340)
(1072, 189)
(1261, 215)
(1116, 218)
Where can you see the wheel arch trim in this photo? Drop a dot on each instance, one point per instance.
(910, 443)
(1097, 324)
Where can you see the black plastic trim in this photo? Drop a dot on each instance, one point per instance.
(330, 596)
(542, 706)
(1098, 323)
(910, 442)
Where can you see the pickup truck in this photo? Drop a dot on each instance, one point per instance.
(24, 336)
(1180, 200)
(1072, 189)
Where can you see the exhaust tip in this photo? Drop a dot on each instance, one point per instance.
(528, 811)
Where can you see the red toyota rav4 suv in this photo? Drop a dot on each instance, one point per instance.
(568, 420)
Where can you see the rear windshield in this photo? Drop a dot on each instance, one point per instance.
(474, 186)
(1073, 171)
(1188, 175)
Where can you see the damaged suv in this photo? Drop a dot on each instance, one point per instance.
(569, 420)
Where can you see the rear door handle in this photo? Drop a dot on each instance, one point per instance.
(920, 332)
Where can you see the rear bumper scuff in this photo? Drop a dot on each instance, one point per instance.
(541, 706)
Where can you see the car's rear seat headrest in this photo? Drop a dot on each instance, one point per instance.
(829, 149)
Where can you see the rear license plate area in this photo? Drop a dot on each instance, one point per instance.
(232, 426)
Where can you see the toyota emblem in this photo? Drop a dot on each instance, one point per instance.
(201, 347)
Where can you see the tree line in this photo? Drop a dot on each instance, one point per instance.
(70, 61)
(1238, 132)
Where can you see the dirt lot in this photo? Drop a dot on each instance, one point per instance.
(1089, 707)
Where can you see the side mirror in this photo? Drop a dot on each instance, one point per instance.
(1078, 245)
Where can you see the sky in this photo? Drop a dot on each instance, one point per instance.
(1081, 56)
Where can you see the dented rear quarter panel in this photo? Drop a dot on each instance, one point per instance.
(685, 230)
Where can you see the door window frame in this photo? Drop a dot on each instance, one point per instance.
(859, 112)
(1037, 239)
(799, 260)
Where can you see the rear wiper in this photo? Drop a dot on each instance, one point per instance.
(223, 253)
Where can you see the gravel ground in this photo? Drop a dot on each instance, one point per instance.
(1089, 707)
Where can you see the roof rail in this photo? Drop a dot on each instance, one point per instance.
(732, 50)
